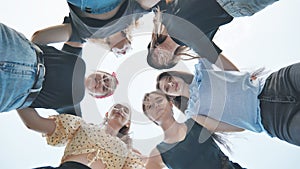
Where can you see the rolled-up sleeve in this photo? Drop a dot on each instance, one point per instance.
(66, 126)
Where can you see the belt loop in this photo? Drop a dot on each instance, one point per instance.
(40, 73)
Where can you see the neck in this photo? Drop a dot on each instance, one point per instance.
(186, 90)
(110, 129)
(115, 38)
(170, 128)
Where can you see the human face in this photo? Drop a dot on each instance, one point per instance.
(163, 50)
(121, 48)
(100, 83)
(171, 85)
(156, 106)
(119, 113)
(161, 55)
(119, 43)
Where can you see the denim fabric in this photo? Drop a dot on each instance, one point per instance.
(84, 27)
(96, 6)
(280, 104)
(227, 96)
(239, 8)
(17, 68)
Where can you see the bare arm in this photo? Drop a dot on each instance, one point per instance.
(215, 125)
(35, 122)
(53, 34)
(225, 64)
(154, 161)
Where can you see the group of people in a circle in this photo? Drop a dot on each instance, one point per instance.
(214, 99)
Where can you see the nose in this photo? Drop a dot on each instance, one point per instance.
(156, 105)
(97, 84)
(123, 52)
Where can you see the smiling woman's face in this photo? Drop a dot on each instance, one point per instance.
(156, 106)
(120, 114)
(119, 44)
(100, 83)
(171, 85)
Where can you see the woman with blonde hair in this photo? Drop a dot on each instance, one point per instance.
(111, 21)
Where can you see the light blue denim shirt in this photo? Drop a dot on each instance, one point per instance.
(17, 68)
(96, 6)
(228, 96)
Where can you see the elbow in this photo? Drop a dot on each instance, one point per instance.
(29, 126)
(35, 37)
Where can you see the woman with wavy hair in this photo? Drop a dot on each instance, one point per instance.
(242, 100)
(106, 22)
(185, 145)
(88, 146)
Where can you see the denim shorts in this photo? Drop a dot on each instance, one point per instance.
(96, 7)
(239, 8)
(18, 67)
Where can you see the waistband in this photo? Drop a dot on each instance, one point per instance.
(39, 78)
(67, 165)
(73, 165)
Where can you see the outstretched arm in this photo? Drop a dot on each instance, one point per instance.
(215, 125)
(35, 122)
(53, 34)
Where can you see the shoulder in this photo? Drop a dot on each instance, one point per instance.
(155, 160)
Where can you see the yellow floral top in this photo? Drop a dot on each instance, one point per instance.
(81, 137)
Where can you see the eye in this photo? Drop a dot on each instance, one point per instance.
(149, 107)
(126, 110)
(104, 88)
(167, 88)
(159, 101)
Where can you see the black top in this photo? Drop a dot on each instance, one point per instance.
(85, 27)
(200, 19)
(64, 79)
(197, 151)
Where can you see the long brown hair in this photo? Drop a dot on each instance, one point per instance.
(181, 102)
(216, 137)
(183, 52)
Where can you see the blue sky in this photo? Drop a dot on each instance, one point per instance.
(268, 39)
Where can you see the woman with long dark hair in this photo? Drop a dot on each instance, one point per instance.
(185, 145)
(240, 99)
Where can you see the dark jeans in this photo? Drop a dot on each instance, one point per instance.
(280, 104)
(67, 165)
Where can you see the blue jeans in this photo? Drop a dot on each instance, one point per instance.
(280, 104)
(96, 7)
(239, 8)
(17, 68)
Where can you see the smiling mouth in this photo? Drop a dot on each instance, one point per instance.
(175, 86)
